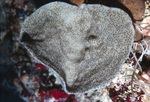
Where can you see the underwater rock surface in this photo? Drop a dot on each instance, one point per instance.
(85, 46)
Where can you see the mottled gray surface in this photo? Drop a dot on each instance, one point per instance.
(85, 46)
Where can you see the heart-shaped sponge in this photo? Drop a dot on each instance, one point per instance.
(85, 46)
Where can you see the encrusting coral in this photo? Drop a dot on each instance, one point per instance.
(85, 46)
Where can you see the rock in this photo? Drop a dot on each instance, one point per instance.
(138, 34)
(137, 8)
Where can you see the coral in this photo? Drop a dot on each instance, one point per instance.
(85, 46)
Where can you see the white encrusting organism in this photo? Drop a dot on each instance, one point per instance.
(85, 46)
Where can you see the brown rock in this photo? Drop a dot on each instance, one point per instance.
(137, 8)
(77, 2)
(138, 35)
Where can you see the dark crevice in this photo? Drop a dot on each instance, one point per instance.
(92, 37)
(26, 38)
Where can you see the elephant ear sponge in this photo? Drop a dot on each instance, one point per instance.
(84, 46)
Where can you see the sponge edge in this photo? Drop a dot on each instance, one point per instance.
(84, 46)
